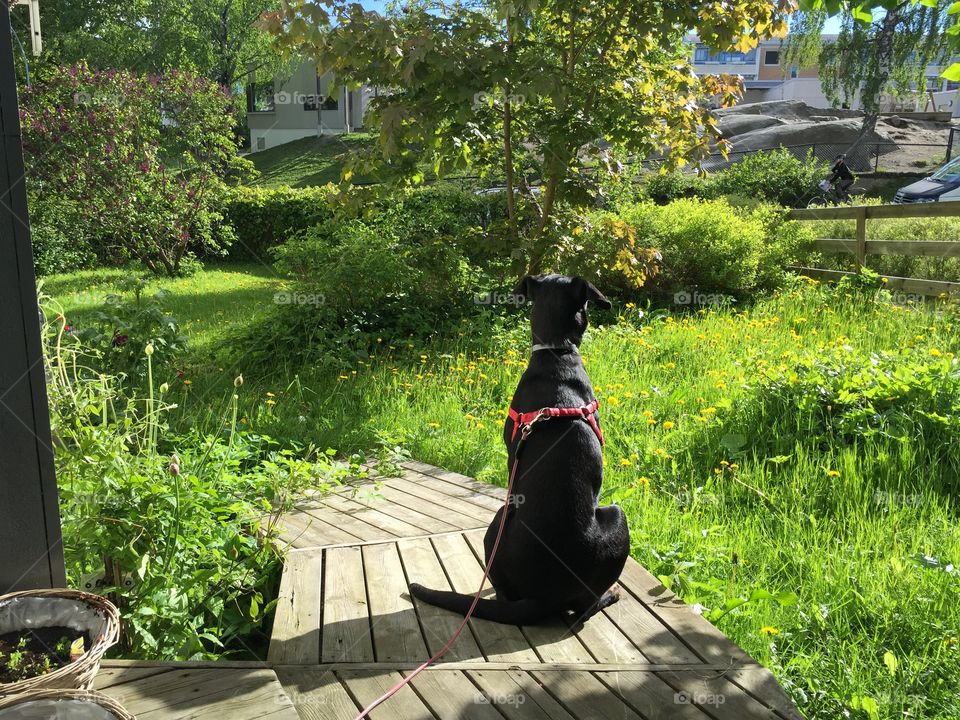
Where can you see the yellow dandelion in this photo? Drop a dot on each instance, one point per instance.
(833, 473)
(668, 425)
(625, 462)
(433, 424)
(769, 630)
(612, 400)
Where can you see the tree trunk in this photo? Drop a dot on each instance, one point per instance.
(508, 171)
(871, 113)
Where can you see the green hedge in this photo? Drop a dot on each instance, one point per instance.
(265, 217)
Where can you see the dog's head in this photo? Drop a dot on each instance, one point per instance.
(559, 306)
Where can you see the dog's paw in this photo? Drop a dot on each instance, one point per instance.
(610, 596)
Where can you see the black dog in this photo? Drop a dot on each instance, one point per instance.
(560, 551)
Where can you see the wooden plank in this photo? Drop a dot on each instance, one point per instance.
(452, 696)
(836, 245)
(305, 530)
(468, 512)
(645, 629)
(931, 288)
(452, 490)
(184, 690)
(458, 479)
(393, 620)
(497, 641)
(350, 523)
(759, 682)
(346, 619)
(383, 503)
(554, 642)
(716, 695)
(110, 676)
(915, 248)
(650, 696)
(695, 631)
(517, 695)
(850, 212)
(242, 699)
(584, 696)
(367, 686)
(345, 507)
(422, 566)
(606, 643)
(317, 694)
(295, 639)
(532, 665)
(436, 518)
(860, 236)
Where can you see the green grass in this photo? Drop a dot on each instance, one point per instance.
(307, 162)
(730, 486)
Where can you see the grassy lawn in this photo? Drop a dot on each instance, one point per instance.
(736, 485)
(310, 161)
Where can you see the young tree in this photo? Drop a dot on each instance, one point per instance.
(530, 90)
(882, 49)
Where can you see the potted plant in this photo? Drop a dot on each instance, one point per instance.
(78, 704)
(53, 639)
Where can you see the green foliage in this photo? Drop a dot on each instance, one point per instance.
(777, 176)
(706, 245)
(190, 518)
(665, 187)
(262, 218)
(129, 322)
(57, 246)
(138, 161)
(526, 90)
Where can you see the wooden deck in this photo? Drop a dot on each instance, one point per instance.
(346, 630)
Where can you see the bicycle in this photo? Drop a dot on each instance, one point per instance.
(829, 195)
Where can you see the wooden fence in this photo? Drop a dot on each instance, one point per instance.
(860, 247)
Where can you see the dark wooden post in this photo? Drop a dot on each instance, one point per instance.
(31, 550)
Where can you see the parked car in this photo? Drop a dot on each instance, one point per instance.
(942, 186)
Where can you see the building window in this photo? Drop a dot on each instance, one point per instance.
(933, 83)
(952, 85)
(794, 71)
(771, 57)
(260, 97)
(701, 55)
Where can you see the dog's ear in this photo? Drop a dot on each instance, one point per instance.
(524, 290)
(591, 293)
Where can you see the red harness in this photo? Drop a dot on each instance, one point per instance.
(522, 420)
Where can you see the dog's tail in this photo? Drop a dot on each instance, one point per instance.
(510, 612)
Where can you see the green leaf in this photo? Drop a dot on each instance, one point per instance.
(890, 660)
(861, 15)
(952, 72)
(954, 9)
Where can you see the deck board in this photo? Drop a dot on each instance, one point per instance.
(346, 630)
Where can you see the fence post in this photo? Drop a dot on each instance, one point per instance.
(950, 145)
(876, 157)
(861, 238)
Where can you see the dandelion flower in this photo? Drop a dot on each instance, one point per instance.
(833, 473)
(769, 630)
(668, 425)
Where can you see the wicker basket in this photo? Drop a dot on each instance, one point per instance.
(50, 703)
(71, 608)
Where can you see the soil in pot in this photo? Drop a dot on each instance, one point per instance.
(31, 653)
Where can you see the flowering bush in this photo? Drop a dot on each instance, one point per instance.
(139, 160)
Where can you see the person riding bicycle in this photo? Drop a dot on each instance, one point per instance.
(841, 177)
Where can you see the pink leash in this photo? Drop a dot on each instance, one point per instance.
(486, 571)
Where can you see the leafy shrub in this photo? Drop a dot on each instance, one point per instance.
(663, 188)
(262, 218)
(140, 158)
(130, 321)
(181, 530)
(786, 242)
(777, 176)
(705, 244)
(57, 245)
(607, 253)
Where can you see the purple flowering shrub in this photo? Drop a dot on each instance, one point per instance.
(139, 160)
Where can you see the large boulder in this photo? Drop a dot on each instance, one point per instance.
(839, 133)
(733, 125)
(785, 110)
